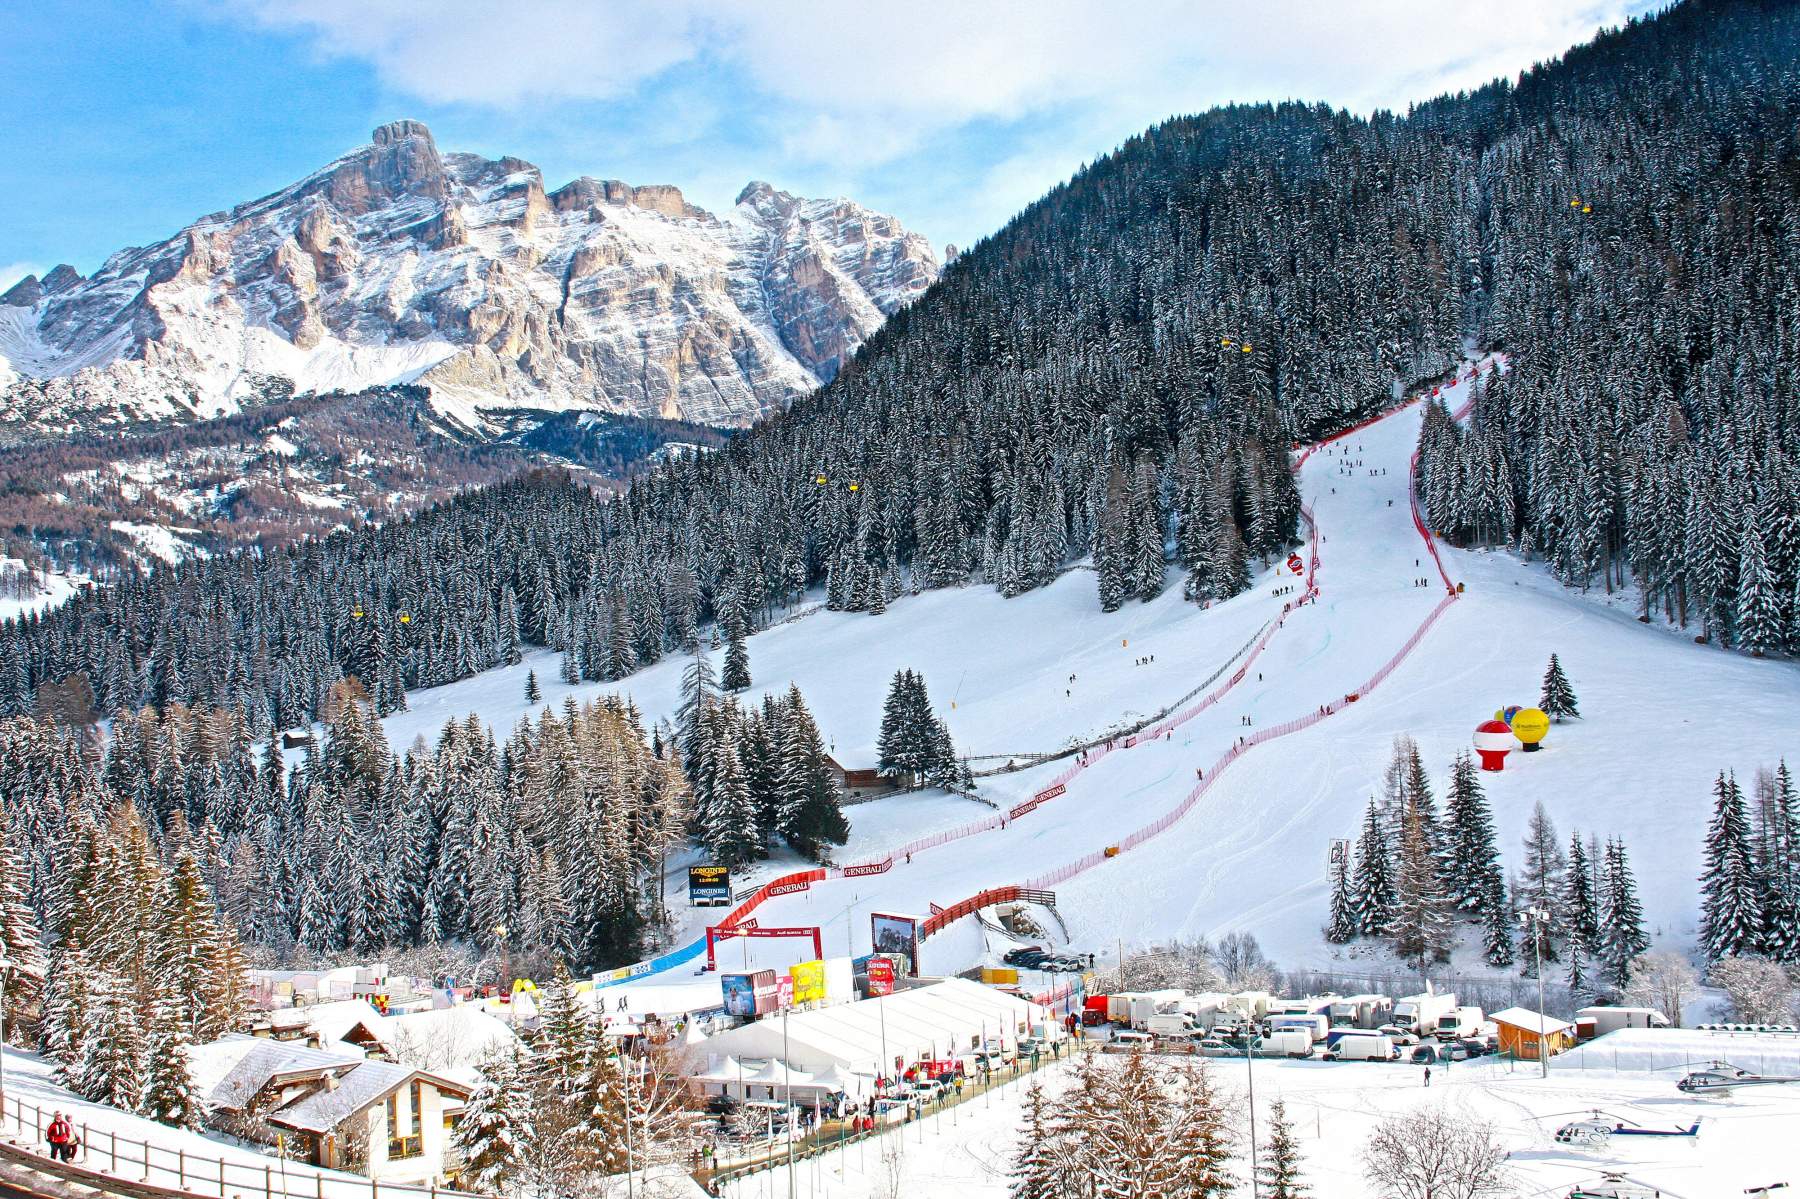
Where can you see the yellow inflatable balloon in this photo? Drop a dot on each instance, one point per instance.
(1529, 726)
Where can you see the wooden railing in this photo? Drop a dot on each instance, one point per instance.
(106, 1161)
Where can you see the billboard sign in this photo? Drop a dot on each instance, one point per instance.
(751, 994)
(881, 976)
(709, 886)
(895, 936)
(808, 981)
(739, 991)
(768, 991)
(784, 991)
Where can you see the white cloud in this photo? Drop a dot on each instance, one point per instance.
(940, 62)
(806, 92)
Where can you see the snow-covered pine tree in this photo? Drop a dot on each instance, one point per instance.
(1342, 926)
(1778, 841)
(731, 832)
(113, 1060)
(1540, 885)
(1036, 1173)
(1197, 1130)
(811, 817)
(20, 942)
(534, 694)
(1557, 700)
(170, 1096)
(1496, 926)
(698, 692)
(736, 673)
(1374, 878)
(1760, 621)
(1471, 856)
(1420, 926)
(1581, 904)
(1622, 937)
(1279, 1175)
(1731, 917)
(493, 1124)
(894, 751)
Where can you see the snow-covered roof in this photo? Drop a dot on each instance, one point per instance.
(1601, 1008)
(1652, 1049)
(1531, 1021)
(328, 1106)
(452, 1038)
(209, 1063)
(270, 1061)
(939, 1019)
(329, 1021)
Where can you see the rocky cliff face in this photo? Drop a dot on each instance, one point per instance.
(398, 263)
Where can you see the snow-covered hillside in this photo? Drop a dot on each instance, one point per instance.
(1661, 717)
(395, 264)
(1334, 1108)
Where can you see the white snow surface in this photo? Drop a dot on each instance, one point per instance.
(29, 1081)
(1336, 1106)
(1661, 716)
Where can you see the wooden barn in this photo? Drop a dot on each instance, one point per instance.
(1524, 1032)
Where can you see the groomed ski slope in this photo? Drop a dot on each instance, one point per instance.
(1661, 717)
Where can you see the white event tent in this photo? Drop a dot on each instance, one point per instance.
(843, 1048)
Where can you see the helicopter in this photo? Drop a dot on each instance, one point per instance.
(1613, 1185)
(1723, 1077)
(1598, 1128)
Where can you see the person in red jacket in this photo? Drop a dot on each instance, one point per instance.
(61, 1135)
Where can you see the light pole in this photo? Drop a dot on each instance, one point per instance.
(5, 970)
(512, 1004)
(787, 1072)
(1536, 921)
(1250, 1080)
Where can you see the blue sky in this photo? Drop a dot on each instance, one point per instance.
(124, 120)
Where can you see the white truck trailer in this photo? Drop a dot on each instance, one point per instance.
(1314, 1025)
(1362, 1045)
(1420, 1013)
(1459, 1023)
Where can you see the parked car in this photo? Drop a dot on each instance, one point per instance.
(1132, 1038)
(1014, 957)
(1398, 1035)
(1214, 1047)
(1425, 1055)
(1474, 1048)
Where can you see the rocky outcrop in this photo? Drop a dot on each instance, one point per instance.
(399, 263)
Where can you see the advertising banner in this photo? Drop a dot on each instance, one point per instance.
(784, 991)
(881, 976)
(740, 994)
(895, 936)
(768, 994)
(808, 981)
(709, 886)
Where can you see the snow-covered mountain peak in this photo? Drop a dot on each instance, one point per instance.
(400, 262)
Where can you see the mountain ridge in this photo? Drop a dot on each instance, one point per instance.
(397, 263)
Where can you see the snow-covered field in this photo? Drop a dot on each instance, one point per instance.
(1661, 716)
(1334, 1108)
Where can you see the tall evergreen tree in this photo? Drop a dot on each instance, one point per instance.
(1731, 919)
(1557, 700)
(1375, 894)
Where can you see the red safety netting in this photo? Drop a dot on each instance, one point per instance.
(1265, 735)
